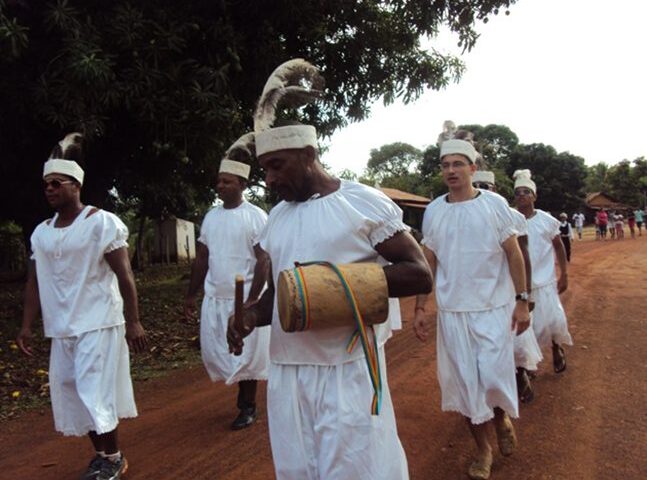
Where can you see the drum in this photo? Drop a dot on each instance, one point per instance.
(322, 295)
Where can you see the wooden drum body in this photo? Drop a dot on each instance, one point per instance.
(312, 296)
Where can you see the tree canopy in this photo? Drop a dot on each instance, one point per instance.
(161, 88)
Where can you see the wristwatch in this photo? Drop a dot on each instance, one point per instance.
(523, 296)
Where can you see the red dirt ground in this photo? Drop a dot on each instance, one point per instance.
(588, 423)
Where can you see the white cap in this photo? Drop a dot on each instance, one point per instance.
(64, 167)
(522, 179)
(459, 147)
(235, 168)
(483, 176)
(283, 138)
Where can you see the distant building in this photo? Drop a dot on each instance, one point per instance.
(598, 200)
(174, 241)
(412, 205)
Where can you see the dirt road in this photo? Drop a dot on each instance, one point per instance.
(588, 423)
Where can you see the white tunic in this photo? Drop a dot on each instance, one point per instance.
(473, 292)
(319, 396)
(542, 228)
(78, 289)
(527, 353)
(89, 373)
(342, 227)
(466, 237)
(230, 236)
(549, 319)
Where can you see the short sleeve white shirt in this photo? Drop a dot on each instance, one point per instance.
(230, 234)
(471, 266)
(542, 228)
(342, 227)
(78, 289)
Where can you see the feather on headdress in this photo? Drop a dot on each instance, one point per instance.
(287, 87)
(239, 156)
(293, 84)
(63, 158)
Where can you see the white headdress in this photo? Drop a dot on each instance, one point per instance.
(459, 147)
(241, 149)
(522, 179)
(483, 176)
(61, 165)
(285, 89)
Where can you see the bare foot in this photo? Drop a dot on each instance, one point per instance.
(506, 436)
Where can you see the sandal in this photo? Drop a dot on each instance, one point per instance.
(559, 358)
(524, 387)
(506, 437)
(480, 468)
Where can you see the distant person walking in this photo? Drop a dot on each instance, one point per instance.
(639, 220)
(602, 222)
(631, 221)
(619, 224)
(578, 223)
(566, 234)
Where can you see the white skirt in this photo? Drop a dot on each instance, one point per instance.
(219, 363)
(89, 382)
(527, 353)
(549, 318)
(476, 368)
(321, 425)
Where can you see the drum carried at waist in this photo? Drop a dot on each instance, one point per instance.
(320, 295)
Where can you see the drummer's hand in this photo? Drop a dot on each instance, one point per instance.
(420, 326)
(236, 332)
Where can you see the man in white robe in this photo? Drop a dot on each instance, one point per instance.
(227, 247)
(544, 244)
(470, 243)
(319, 394)
(80, 278)
(527, 353)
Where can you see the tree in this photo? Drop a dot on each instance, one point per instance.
(627, 183)
(495, 142)
(161, 88)
(596, 178)
(392, 160)
(559, 177)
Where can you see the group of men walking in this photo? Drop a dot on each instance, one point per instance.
(478, 250)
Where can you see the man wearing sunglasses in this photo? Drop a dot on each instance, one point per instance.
(527, 353)
(470, 242)
(80, 279)
(544, 244)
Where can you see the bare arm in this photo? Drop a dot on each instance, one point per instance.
(261, 272)
(120, 264)
(562, 283)
(199, 269)
(31, 309)
(520, 315)
(523, 245)
(408, 273)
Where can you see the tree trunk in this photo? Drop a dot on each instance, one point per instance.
(138, 258)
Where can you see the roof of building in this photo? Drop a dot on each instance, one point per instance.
(400, 196)
(603, 200)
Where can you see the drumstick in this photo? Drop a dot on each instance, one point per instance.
(238, 300)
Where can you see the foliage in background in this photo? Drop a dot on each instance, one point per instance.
(161, 88)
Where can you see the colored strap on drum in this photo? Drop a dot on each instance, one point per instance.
(361, 333)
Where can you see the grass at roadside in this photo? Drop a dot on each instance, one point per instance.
(173, 344)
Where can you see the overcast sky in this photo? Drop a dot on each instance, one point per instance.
(568, 73)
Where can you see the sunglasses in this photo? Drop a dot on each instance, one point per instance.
(522, 192)
(482, 186)
(55, 184)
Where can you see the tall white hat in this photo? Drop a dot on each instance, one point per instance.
(522, 179)
(241, 149)
(483, 176)
(62, 165)
(459, 147)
